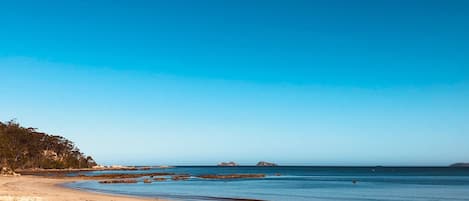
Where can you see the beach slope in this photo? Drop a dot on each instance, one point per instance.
(35, 188)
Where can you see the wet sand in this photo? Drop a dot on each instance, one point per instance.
(38, 188)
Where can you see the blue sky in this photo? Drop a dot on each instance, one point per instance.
(199, 82)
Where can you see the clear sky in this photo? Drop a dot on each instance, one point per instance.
(199, 82)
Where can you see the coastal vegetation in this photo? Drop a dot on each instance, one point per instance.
(26, 148)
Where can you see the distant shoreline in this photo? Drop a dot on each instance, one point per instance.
(137, 168)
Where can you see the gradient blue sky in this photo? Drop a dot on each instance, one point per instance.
(199, 82)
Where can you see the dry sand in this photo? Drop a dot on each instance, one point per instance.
(36, 188)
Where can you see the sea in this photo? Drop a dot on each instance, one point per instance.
(302, 183)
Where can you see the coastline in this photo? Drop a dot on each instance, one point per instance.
(39, 188)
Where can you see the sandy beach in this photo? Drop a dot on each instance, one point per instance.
(37, 188)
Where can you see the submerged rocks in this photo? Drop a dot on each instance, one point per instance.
(124, 181)
(263, 163)
(128, 176)
(183, 177)
(159, 179)
(231, 176)
(144, 168)
(180, 177)
(229, 164)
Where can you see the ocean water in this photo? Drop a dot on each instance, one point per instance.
(301, 183)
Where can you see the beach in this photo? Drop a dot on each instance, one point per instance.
(38, 188)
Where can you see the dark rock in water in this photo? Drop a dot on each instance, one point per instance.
(129, 176)
(159, 179)
(354, 181)
(180, 177)
(125, 181)
(460, 165)
(263, 163)
(144, 168)
(278, 174)
(231, 163)
(231, 176)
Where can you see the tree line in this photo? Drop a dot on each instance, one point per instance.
(22, 148)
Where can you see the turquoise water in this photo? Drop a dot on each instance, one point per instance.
(302, 183)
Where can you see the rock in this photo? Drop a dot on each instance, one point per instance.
(144, 168)
(180, 177)
(231, 176)
(278, 174)
(129, 176)
(147, 181)
(263, 163)
(231, 163)
(159, 179)
(8, 172)
(124, 181)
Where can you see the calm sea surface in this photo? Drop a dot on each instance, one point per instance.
(301, 183)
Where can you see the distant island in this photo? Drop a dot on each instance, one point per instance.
(231, 163)
(460, 165)
(26, 148)
(263, 163)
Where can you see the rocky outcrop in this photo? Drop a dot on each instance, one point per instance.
(231, 176)
(460, 165)
(124, 181)
(127, 176)
(159, 179)
(180, 177)
(8, 172)
(263, 163)
(231, 163)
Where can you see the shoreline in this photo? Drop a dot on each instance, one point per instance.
(39, 188)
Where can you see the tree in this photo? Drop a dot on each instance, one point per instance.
(27, 148)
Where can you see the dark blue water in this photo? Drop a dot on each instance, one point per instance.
(302, 183)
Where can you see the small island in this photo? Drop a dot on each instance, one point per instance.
(266, 164)
(466, 165)
(227, 164)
